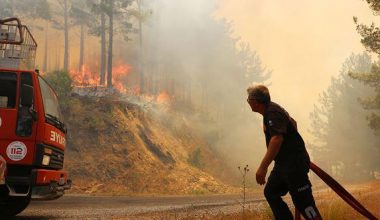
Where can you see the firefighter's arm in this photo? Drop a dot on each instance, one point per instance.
(272, 150)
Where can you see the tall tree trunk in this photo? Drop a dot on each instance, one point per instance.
(103, 49)
(66, 30)
(57, 59)
(142, 80)
(81, 52)
(46, 47)
(110, 43)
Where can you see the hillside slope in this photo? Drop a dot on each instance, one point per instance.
(116, 147)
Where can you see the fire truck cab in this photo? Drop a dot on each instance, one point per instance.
(32, 133)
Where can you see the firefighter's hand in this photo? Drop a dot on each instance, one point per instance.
(260, 175)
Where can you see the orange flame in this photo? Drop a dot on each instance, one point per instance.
(91, 78)
(84, 77)
(118, 77)
(163, 97)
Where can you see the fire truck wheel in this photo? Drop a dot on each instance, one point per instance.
(13, 205)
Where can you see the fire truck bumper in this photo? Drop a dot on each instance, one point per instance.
(49, 184)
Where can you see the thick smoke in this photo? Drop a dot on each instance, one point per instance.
(194, 55)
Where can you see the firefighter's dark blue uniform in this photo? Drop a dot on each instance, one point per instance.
(290, 169)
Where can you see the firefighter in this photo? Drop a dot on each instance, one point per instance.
(291, 161)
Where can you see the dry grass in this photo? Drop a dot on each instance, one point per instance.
(333, 207)
(135, 151)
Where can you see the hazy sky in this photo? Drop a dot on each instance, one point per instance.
(304, 42)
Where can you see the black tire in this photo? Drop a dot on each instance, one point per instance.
(12, 205)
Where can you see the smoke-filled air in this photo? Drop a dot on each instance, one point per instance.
(153, 95)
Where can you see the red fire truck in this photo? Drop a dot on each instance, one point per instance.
(32, 134)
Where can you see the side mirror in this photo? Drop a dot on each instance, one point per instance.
(27, 95)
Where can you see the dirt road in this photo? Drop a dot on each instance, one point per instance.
(85, 207)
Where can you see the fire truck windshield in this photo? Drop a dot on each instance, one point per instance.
(50, 101)
(8, 88)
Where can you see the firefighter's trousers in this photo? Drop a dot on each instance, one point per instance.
(297, 183)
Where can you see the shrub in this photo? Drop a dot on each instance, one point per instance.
(61, 82)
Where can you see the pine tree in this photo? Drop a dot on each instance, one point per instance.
(371, 41)
(343, 141)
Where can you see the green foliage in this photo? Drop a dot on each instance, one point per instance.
(195, 159)
(81, 14)
(338, 117)
(43, 10)
(371, 40)
(25, 9)
(374, 5)
(371, 79)
(120, 8)
(371, 36)
(62, 84)
(251, 65)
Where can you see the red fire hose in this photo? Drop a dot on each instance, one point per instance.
(346, 196)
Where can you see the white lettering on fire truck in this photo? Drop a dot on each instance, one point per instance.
(55, 137)
(16, 151)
